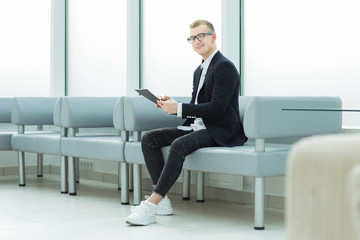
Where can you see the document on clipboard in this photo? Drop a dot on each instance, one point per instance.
(149, 95)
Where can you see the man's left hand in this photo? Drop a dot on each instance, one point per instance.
(169, 106)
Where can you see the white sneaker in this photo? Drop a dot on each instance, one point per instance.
(164, 208)
(143, 215)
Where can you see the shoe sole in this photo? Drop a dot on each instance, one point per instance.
(139, 224)
(165, 213)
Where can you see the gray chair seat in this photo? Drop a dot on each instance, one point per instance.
(5, 140)
(45, 142)
(94, 147)
(239, 160)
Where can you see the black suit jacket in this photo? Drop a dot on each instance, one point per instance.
(218, 102)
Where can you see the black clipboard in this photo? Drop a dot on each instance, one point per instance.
(149, 95)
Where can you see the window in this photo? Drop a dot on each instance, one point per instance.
(96, 48)
(303, 48)
(168, 60)
(25, 48)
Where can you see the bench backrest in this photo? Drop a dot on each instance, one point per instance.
(262, 117)
(33, 110)
(142, 114)
(265, 118)
(5, 110)
(87, 112)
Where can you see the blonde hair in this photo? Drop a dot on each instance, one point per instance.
(197, 23)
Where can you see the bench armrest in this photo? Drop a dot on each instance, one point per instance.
(264, 117)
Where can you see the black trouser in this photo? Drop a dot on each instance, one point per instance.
(165, 173)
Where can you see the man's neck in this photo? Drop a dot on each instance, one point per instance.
(210, 56)
(204, 58)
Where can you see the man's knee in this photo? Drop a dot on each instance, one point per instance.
(151, 139)
(178, 146)
(148, 139)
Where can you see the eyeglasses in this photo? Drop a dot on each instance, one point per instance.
(199, 37)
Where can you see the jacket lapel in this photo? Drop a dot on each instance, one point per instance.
(197, 81)
(211, 65)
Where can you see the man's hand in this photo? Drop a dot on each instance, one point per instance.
(168, 105)
(162, 98)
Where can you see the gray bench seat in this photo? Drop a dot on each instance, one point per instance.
(94, 147)
(45, 142)
(100, 113)
(266, 118)
(36, 112)
(263, 118)
(251, 163)
(241, 160)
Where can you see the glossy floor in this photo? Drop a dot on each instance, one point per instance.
(39, 211)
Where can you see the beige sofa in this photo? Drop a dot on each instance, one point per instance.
(323, 188)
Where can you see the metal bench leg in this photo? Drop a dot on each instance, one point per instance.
(77, 162)
(21, 159)
(200, 186)
(40, 164)
(131, 178)
(120, 175)
(259, 203)
(64, 174)
(186, 185)
(137, 184)
(72, 176)
(124, 183)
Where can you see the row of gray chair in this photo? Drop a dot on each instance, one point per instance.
(263, 118)
(65, 116)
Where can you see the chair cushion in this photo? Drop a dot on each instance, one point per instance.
(47, 142)
(242, 160)
(94, 147)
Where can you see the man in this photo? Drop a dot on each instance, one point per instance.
(212, 120)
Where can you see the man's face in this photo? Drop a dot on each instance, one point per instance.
(206, 46)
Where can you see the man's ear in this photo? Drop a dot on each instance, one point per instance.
(214, 37)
